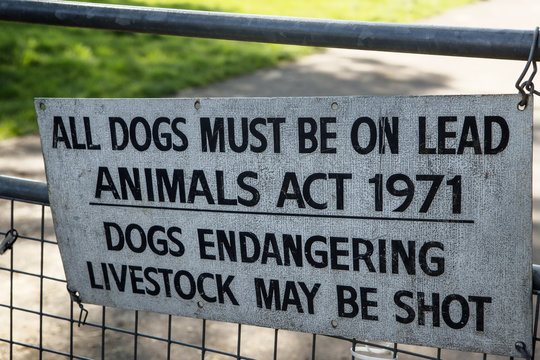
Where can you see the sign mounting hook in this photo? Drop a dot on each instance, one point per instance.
(528, 85)
(8, 240)
(522, 348)
(75, 297)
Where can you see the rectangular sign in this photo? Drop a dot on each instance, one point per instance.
(403, 219)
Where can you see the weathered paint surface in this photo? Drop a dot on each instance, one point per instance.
(405, 219)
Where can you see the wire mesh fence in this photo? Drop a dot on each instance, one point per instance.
(40, 319)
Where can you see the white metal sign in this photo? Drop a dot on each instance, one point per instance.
(405, 219)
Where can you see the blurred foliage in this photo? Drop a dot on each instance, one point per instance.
(47, 61)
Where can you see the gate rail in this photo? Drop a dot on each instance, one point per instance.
(420, 39)
(36, 192)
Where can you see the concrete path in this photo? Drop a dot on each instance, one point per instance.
(349, 72)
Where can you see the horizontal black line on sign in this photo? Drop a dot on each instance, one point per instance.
(455, 221)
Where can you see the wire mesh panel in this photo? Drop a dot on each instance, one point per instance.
(39, 318)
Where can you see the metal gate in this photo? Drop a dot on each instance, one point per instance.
(40, 318)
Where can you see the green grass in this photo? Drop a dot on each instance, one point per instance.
(46, 61)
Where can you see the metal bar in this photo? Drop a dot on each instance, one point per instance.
(30, 346)
(238, 341)
(422, 39)
(72, 320)
(203, 339)
(11, 226)
(135, 335)
(169, 338)
(275, 343)
(103, 312)
(35, 191)
(19, 236)
(23, 189)
(35, 312)
(30, 274)
(535, 329)
(70, 329)
(41, 277)
(536, 277)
